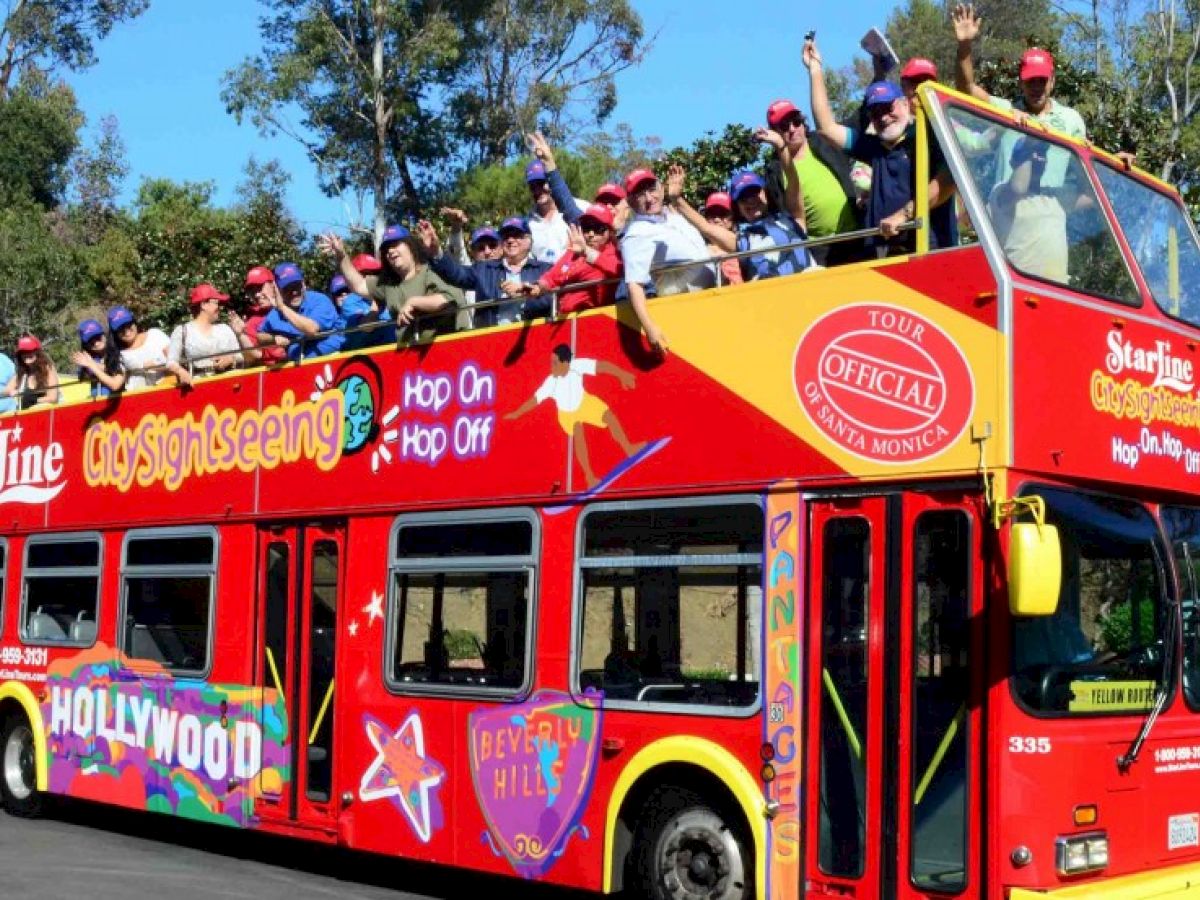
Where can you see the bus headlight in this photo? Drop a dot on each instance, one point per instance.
(1078, 853)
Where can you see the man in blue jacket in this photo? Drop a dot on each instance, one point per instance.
(494, 279)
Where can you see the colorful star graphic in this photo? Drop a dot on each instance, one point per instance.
(402, 773)
(374, 609)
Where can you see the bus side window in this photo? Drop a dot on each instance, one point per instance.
(460, 602)
(168, 581)
(670, 603)
(61, 585)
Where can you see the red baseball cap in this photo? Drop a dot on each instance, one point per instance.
(259, 275)
(919, 67)
(1036, 63)
(600, 213)
(366, 263)
(638, 177)
(615, 191)
(719, 200)
(780, 110)
(206, 291)
(29, 344)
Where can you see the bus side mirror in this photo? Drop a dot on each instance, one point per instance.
(1034, 569)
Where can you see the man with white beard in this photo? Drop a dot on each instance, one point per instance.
(891, 153)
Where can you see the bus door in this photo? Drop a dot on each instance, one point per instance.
(894, 677)
(299, 587)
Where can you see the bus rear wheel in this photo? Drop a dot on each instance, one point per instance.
(18, 769)
(687, 850)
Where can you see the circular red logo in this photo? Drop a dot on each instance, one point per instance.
(884, 383)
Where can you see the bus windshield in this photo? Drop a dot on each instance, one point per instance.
(1162, 242)
(1043, 208)
(1101, 651)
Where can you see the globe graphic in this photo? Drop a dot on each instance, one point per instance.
(360, 412)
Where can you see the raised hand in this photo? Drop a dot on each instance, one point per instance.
(966, 22)
(767, 136)
(540, 147)
(810, 55)
(575, 241)
(456, 217)
(428, 236)
(331, 245)
(676, 176)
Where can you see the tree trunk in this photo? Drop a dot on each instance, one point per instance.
(382, 119)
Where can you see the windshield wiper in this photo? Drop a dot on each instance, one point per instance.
(1130, 756)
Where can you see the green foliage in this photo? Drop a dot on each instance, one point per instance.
(711, 161)
(1116, 629)
(461, 643)
(48, 34)
(528, 63)
(38, 125)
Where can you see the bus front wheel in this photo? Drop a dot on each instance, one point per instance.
(687, 849)
(18, 769)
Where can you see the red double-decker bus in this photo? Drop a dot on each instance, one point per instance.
(883, 584)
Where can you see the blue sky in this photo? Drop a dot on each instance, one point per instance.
(712, 63)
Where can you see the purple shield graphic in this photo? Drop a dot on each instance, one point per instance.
(532, 765)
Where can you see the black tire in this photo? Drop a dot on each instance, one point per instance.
(18, 769)
(687, 849)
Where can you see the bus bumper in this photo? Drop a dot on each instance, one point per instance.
(1177, 881)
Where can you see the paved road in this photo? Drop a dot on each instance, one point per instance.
(84, 851)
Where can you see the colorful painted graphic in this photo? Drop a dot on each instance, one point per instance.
(159, 450)
(402, 773)
(577, 408)
(884, 383)
(29, 473)
(189, 748)
(781, 677)
(532, 765)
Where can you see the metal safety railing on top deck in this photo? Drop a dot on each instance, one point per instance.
(471, 308)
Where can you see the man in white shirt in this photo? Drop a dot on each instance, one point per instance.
(550, 229)
(656, 238)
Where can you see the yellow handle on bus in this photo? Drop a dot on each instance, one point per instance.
(940, 753)
(275, 675)
(321, 715)
(847, 725)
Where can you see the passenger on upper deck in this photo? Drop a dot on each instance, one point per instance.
(547, 224)
(143, 353)
(825, 184)
(35, 379)
(891, 151)
(7, 370)
(416, 297)
(258, 292)
(195, 344)
(357, 310)
(571, 207)
(718, 212)
(494, 279)
(98, 360)
(592, 256)
(656, 237)
(914, 73)
(300, 313)
(1037, 84)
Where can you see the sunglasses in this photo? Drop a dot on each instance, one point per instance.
(512, 235)
(879, 110)
(486, 244)
(795, 120)
(591, 227)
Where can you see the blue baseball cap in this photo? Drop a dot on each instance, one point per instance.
(745, 181)
(514, 223)
(486, 231)
(392, 234)
(119, 317)
(287, 273)
(89, 329)
(337, 285)
(880, 93)
(535, 171)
